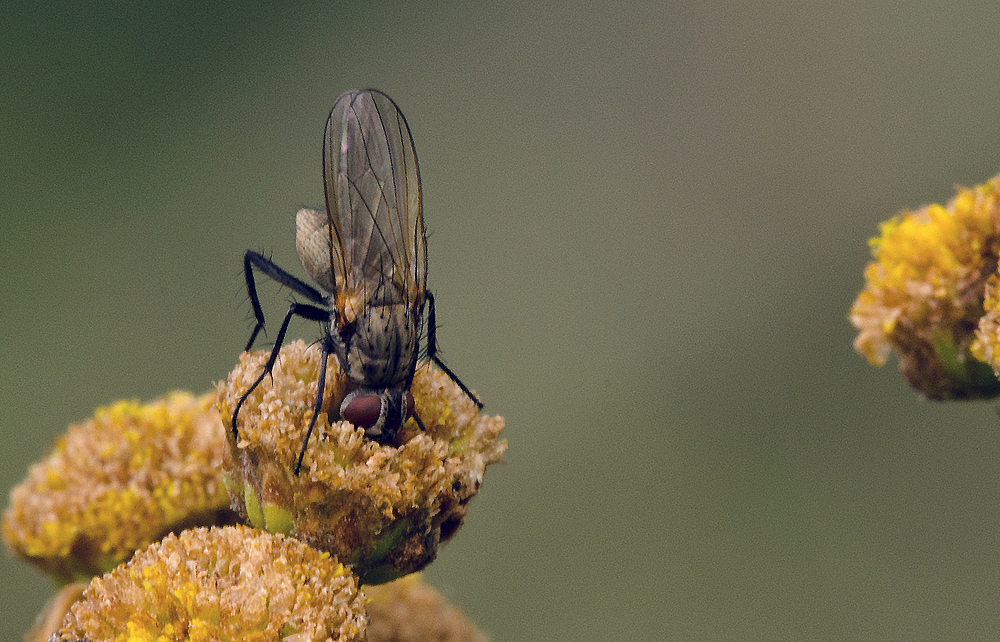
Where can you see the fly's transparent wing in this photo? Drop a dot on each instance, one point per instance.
(373, 201)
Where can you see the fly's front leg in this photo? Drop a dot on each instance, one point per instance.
(317, 405)
(432, 351)
(303, 310)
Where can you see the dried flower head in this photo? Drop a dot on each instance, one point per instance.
(924, 293)
(408, 609)
(384, 510)
(117, 482)
(221, 584)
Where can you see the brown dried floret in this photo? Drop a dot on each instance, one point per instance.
(987, 345)
(117, 482)
(382, 509)
(221, 584)
(407, 610)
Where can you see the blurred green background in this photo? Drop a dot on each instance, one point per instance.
(647, 224)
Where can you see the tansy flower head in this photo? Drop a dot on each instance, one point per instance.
(381, 509)
(117, 482)
(221, 584)
(924, 294)
(408, 609)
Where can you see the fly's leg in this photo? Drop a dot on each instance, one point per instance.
(309, 312)
(320, 386)
(432, 351)
(252, 260)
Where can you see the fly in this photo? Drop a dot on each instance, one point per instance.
(368, 251)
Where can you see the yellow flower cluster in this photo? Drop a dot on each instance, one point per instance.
(118, 482)
(217, 584)
(137, 475)
(925, 290)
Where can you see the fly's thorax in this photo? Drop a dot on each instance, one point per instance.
(381, 346)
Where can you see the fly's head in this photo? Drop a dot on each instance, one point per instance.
(381, 412)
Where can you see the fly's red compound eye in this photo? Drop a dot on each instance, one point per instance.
(363, 411)
(380, 415)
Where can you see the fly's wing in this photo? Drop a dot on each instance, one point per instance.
(373, 202)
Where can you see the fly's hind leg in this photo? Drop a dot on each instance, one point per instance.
(432, 350)
(252, 260)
